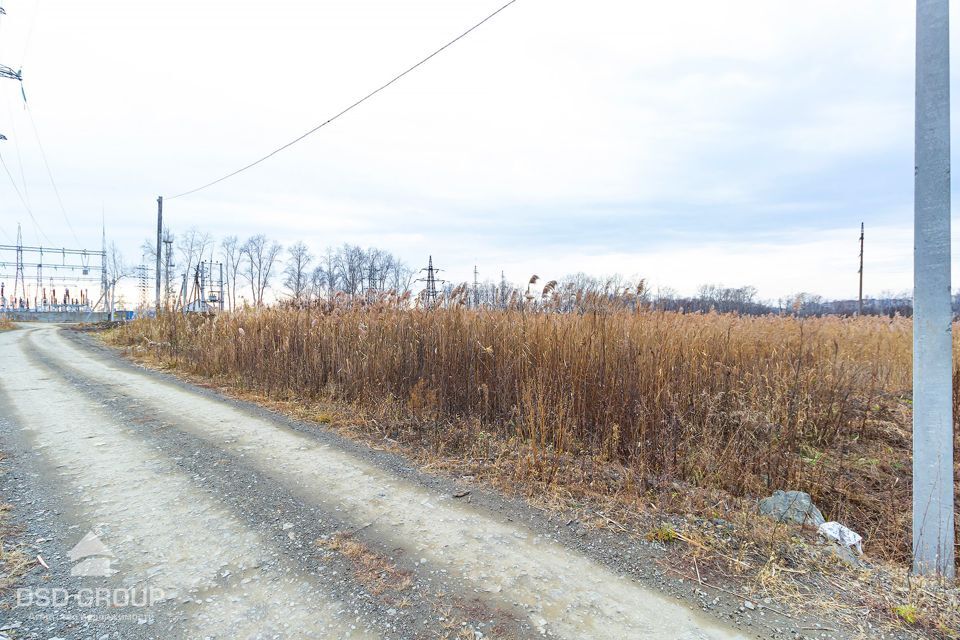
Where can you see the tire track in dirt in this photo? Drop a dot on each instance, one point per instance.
(214, 576)
(424, 605)
(562, 592)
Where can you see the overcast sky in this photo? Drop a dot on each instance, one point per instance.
(686, 142)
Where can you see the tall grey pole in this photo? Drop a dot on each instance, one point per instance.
(933, 534)
(159, 245)
(167, 253)
(860, 295)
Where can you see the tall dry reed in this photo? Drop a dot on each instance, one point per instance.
(741, 404)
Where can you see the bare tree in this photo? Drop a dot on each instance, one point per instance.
(354, 271)
(148, 249)
(117, 269)
(297, 272)
(192, 245)
(400, 278)
(327, 274)
(259, 257)
(351, 266)
(232, 254)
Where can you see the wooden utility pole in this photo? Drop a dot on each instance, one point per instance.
(860, 296)
(159, 246)
(933, 485)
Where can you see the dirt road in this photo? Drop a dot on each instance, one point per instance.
(210, 512)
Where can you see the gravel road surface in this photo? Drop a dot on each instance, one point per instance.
(165, 511)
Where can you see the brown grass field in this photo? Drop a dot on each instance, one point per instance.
(692, 413)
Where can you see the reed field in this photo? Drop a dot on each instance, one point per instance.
(652, 403)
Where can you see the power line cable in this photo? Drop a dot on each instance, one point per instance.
(36, 133)
(22, 200)
(33, 22)
(53, 182)
(348, 109)
(16, 146)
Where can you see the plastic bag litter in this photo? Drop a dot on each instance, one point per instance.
(842, 535)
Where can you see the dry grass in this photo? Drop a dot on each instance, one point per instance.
(371, 569)
(14, 562)
(624, 416)
(6, 324)
(740, 404)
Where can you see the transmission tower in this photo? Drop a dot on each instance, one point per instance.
(39, 288)
(142, 284)
(211, 286)
(476, 287)
(18, 279)
(430, 292)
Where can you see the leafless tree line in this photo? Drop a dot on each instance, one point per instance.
(581, 292)
(251, 266)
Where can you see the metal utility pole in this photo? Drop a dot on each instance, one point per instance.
(860, 296)
(201, 283)
(159, 242)
(503, 290)
(183, 293)
(933, 519)
(105, 283)
(167, 266)
(476, 288)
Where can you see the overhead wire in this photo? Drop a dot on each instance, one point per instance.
(26, 206)
(25, 198)
(53, 183)
(5, 233)
(16, 146)
(349, 108)
(25, 195)
(33, 22)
